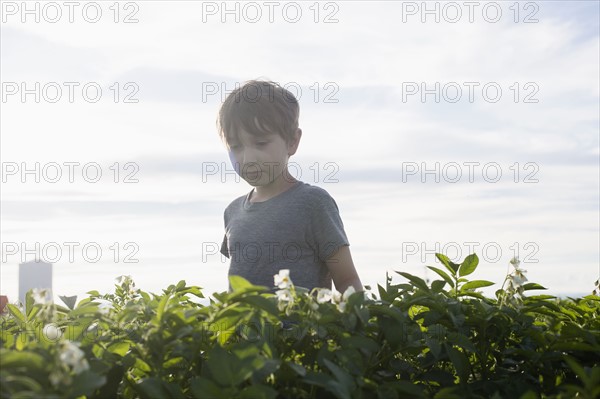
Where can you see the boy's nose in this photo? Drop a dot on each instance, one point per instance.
(248, 157)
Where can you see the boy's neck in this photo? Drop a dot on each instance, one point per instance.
(276, 187)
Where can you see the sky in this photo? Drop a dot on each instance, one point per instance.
(449, 127)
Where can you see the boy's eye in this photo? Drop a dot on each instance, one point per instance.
(262, 143)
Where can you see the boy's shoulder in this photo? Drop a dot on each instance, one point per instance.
(236, 202)
(308, 196)
(308, 193)
(314, 192)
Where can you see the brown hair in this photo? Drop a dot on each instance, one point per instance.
(259, 107)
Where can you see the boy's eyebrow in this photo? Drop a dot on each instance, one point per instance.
(256, 138)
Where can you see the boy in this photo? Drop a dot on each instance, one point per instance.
(282, 223)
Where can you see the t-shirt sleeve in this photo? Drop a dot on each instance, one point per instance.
(224, 249)
(327, 226)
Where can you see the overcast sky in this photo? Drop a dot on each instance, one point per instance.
(438, 128)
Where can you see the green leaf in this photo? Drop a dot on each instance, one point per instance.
(338, 388)
(578, 369)
(574, 346)
(85, 384)
(437, 285)
(442, 377)
(196, 291)
(449, 393)
(472, 294)
(161, 307)
(341, 375)
(416, 281)
(469, 265)
(529, 395)
(383, 294)
(533, 286)
(16, 359)
(175, 391)
(203, 388)
(541, 298)
(297, 368)
(460, 362)
(119, 348)
(24, 382)
(408, 388)
(114, 378)
(29, 304)
(318, 379)
(90, 309)
(365, 344)
(17, 314)
(451, 266)
(261, 303)
(476, 284)
(435, 347)
(238, 283)
(152, 388)
(461, 340)
(390, 311)
(258, 392)
(139, 363)
(228, 369)
(592, 298)
(173, 362)
(442, 274)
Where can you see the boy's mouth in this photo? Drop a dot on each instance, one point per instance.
(253, 175)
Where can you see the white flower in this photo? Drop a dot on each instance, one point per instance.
(515, 262)
(517, 277)
(72, 356)
(336, 297)
(104, 308)
(123, 279)
(70, 353)
(341, 299)
(283, 295)
(514, 291)
(349, 291)
(52, 332)
(285, 299)
(324, 295)
(282, 279)
(41, 296)
(81, 366)
(57, 377)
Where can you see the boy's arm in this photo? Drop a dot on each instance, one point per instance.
(342, 270)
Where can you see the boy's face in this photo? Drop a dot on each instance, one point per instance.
(261, 160)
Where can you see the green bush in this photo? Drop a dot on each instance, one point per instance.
(442, 339)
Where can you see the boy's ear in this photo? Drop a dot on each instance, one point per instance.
(293, 146)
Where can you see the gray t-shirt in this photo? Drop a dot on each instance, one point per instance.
(297, 229)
